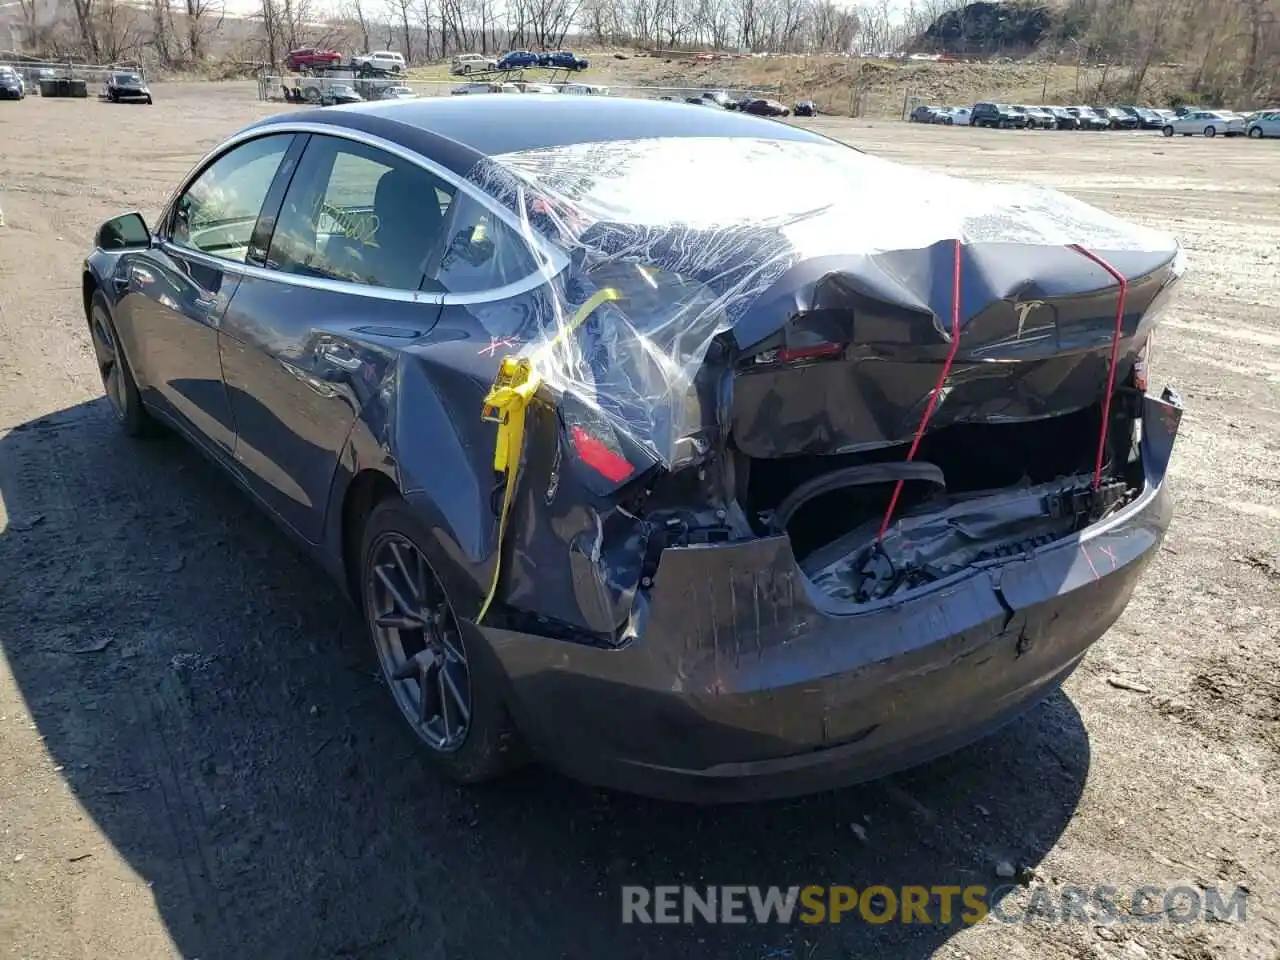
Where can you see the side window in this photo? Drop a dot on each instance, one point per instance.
(217, 213)
(357, 214)
(481, 251)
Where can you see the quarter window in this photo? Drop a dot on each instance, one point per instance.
(481, 251)
(217, 213)
(360, 215)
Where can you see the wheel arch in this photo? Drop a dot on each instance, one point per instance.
(89, 285)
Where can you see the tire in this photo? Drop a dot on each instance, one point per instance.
(1004, 124)
(1255, 133)
(1211, 131)
(443, 660)
(118, 385)
(466, 71)
(149, 100)
(1167, 130)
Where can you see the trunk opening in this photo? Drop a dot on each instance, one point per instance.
(974, 492)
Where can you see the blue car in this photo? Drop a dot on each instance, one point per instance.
(515, 59)
(563, 60)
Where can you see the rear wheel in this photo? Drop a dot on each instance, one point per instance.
(117, 379)
(447, 689)
(1211, 131)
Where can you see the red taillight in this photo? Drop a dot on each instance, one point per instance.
(818, 351)
(1141, 365)
(597, 455)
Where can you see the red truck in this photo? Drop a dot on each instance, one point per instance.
(307, 58)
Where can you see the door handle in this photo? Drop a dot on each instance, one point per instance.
(134, 275)
(340, 357)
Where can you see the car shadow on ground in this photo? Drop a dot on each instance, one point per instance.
(215, 708)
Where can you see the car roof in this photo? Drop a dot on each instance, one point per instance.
(489, 126)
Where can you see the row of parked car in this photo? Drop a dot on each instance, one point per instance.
(760, 106)
(1187, 121)
(466, 64)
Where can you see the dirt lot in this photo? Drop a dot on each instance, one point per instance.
(196, 757)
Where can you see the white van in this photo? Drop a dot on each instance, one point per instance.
(383, 61)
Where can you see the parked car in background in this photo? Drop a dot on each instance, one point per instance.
(537, 88)
(1038, 118)
(563, 60)
(379, 62)
(1208, 123)
(762, 107)
(1149, 119)
(805, 108)
(305, 59)
(11, 84)
(922, 114)
(1087, 119)
(1000, 115)
(517, 59)
(467, 63)
(484, 87)
(956, 116)
(720, 99)
(1117, 119)
(126, 85)
(398, 93)
(1265, 123)
(338, 93)
(584, 90)
(1064, 119)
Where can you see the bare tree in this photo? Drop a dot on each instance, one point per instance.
(399, 11)
(204, 17)
(85, 12)
(354, 9)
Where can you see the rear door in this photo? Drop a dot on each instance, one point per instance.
(176, 294)
(308, 341)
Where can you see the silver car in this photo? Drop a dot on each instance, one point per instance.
(1210, 123)
(1265, 124)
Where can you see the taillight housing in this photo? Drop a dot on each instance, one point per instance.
(1141, 365)
(603, 458)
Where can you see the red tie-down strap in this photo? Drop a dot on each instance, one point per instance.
(937, 388)
(1115, 353)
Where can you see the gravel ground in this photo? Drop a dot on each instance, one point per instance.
(196, 758)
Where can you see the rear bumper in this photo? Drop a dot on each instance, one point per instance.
(741, 686)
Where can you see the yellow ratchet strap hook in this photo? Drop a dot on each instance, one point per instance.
(508, 399)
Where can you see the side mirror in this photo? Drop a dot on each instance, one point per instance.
(127, 232)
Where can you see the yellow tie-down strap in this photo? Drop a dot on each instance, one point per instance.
(505, 404)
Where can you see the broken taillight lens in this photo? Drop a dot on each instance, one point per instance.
(805, 354)
(1141, 365)
(601, 455)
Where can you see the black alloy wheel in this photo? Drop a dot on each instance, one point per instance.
(418, 643)
(447, 689)
(113, 367)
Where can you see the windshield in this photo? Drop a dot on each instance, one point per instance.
(128, 78)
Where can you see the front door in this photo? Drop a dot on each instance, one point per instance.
(301, 354)
(177, 293)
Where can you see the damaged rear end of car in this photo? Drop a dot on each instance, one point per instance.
(819, 490)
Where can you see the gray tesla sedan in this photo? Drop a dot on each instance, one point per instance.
(690, 452)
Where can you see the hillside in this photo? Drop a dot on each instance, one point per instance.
(879, 88)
